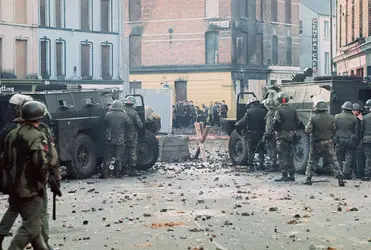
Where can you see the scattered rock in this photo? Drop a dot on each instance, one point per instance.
(85, 222)
(164, 210)
(273, 209)
(147, 215)
(353, 209)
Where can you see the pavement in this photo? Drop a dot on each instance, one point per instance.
(195, 205)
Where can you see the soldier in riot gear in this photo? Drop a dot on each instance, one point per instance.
(366, 140)
(132, 134)
(270, 135)
(285, 122)
(254, 125)
(117, 125)
(359, 159)
(346, 139)
(322, 126)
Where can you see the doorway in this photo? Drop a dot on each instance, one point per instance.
(180, 91)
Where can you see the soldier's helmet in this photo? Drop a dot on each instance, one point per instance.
(282, 98)
(347, 106)
(130, 100)
(357, 107)
(19, 100)
(368, 104)
(33, 111)
(117, 105)
(269, 103)
(321, 106)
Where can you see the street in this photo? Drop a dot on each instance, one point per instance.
(194, 205)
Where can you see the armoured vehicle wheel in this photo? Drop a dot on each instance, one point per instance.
(237, 148)
(301, 153)
(84, 157)
(148, 151)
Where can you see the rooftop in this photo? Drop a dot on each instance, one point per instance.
(322, 7)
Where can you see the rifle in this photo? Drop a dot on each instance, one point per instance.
(54, 187)
(256, 149)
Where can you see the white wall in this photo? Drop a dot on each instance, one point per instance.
(73, 36)
(324, 44)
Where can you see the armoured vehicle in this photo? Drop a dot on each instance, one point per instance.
(334, 90)
(76, 121)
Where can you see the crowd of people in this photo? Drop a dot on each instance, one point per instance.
(343, 140)
(185, 113)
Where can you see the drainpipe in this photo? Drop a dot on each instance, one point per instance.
(123, 53)
(331, 40)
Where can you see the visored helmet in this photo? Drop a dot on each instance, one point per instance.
(368, 104)
(357, 107)
(321, 106)
(347, 106)
(282, 98)
(130, 100)
(269, 103)
(19, 100)
(117, 105)
(33, 111)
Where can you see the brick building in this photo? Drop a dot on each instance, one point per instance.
(209, 50)
(353, 38)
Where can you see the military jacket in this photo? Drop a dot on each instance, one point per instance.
(117, 124)
(26, 160)
(286, 118)
(366, 128)
(321, 126)
(137, 122)
(346, 125)
(269, 131)
(254, 119)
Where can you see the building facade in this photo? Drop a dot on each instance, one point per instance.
(210, 50)
(18, 36)
(314, 33)
(353, 45)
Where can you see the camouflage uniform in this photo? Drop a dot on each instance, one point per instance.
(254, 124)
(321, 126)
(132, 135)
(117, 124)
(346, 141)
(366, 134)
(285, 122)
(270, 139)
(27, 147)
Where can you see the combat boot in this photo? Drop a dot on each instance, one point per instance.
(366, 178)
(283, 178)
(291, 177)
(341, 181)
(103, 174)
(1, 241)
(308, 181)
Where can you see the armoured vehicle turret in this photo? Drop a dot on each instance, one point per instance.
(333, 90)
(76, 118)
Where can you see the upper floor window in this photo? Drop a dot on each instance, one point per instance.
(86, 61)
(45, 58)
(212, 47)
(135, 10)
(20, 11)
(300, 27)
(288, 51)
(259, 10)
(288, 7)
(107, 69)
(212, 8)
(259, 49)
(85, 14)
(59, 13)
(274, 12)
(244, 8)
(105, 11)
(326, 28)
(275, 50)
(135, 50)
(60, 58)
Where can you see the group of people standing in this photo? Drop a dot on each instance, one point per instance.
(185, 113)
(29, 161)
(122, 124)
(338, 139)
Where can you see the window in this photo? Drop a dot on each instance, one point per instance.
(326, 28)
(21, 58)
(107, 62)
(212, 8)
(353, 18)
(288, 11)
(45, 58)
(327, 62)
(86, 61)
(259, 49)
(1, 54)
(360, 72)
(60, 59)
(274, 12)
(134, 86)
(212, 47)
(352, 73)
(288, 51)
(243, 9)
(135, 47)
(135, 10)
(42, 12)
(88, 100)
(300, 27)
(59, 13)
(85, 14)
(240, 50)
(259, 10)
(105, 15)
(275, 50)
(341, 25)
(20, 11)
(369, 71)
(360, 18)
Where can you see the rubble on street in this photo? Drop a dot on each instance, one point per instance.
(213, 205)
